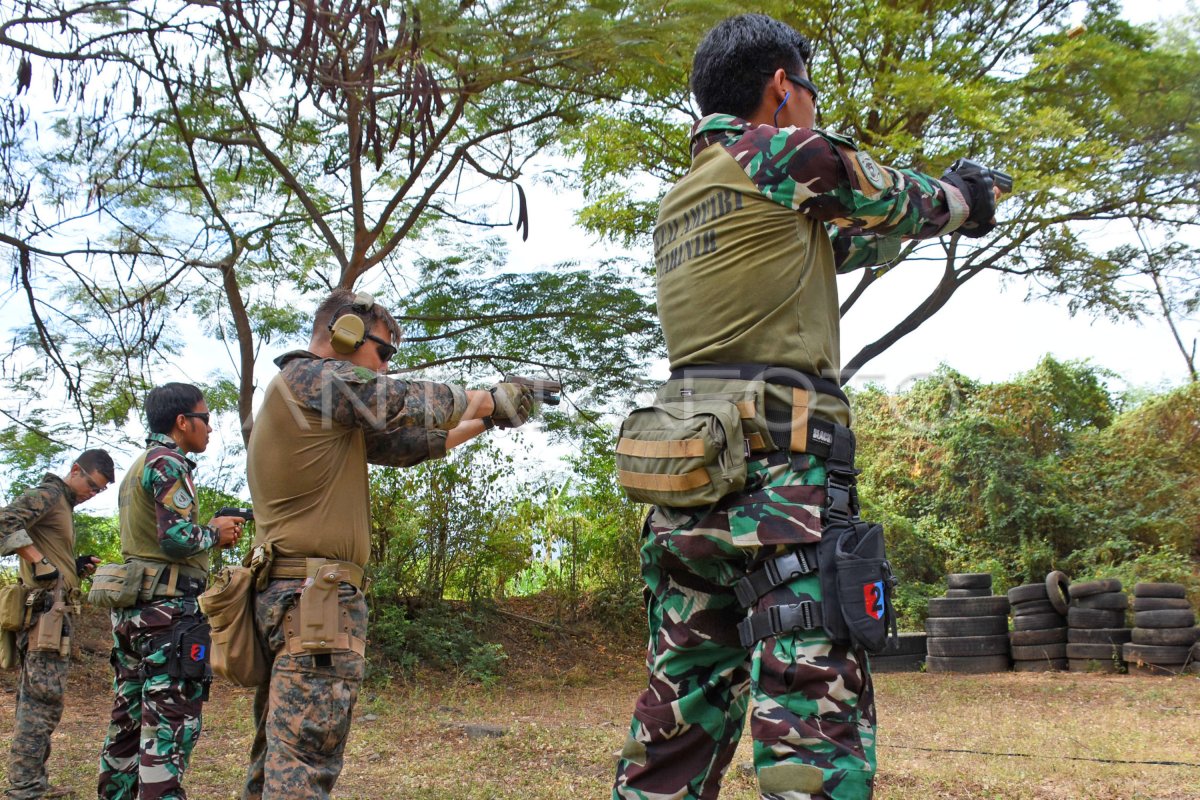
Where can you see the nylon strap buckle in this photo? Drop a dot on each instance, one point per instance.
(802, 616)
(776, 571)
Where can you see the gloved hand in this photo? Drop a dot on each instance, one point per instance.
(976, 187)
(45, 573)
(86, 565)
(513, 404)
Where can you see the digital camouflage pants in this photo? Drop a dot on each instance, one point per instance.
(302, 715)
(43, 682)
(813, 713)
(156, 719)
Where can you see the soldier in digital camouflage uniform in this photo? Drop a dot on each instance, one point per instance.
(38, 527)
(328, 413)
(747, 247)
(156, 718)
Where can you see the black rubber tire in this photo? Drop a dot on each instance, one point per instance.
(1054, 665)
(959, 646)
(1094, 587)
(905, 644)
(1092, 665)
(1176, 590)
(1100, 652)
(1027, 593)
(1107, 601)
(1033, 607)
(1058, 590)
(1040, 652)
(1169, 618)
(908, 662)
(969, 592)
(1038, 622)
(968, 606)
(1095, 618)
(1099, 635)
(1042, 636)
(966, 626)
(969, 580)
(1166, 637)
(968, 664)
(1160, 603)
(1152, 654)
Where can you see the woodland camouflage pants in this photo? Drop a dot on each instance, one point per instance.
(156, 719)
(302, 715)
(40, 692)
(813, 716)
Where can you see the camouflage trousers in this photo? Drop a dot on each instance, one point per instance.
(302, 714)
(40, 692)
(812, 702)
(156, 719)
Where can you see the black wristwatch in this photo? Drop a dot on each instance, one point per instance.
(488, 423)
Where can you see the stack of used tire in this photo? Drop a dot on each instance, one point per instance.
(1164, 630)
(1039, 635)
(905, 655)
(968, 628)
(1096, 626)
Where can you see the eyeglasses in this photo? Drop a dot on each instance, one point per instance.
(386, 349)
(91, 483)
(200, 415)
(803, 83)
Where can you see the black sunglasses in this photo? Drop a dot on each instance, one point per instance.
(386, 349)
(803, 83)
(200, 415)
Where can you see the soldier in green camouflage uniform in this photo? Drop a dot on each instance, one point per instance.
(330, 412)
(747, 247)
(156, 718)
(38, 527)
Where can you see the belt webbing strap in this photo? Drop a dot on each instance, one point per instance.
(669, 448)
(664, 483)
(799, 439)
(775, 572)
(284, 568)
(803, 616)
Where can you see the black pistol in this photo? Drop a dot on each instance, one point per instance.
(1001, 180)
(246, 514)
(544, 391)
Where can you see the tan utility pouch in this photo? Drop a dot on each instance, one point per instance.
(13, 616)
(318, 624)
(117, 585)
(9, 657)
(236, 655)
(690, 447)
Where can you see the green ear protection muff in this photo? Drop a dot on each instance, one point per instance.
(348, 331)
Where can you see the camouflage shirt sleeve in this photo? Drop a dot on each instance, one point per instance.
(405, 422)
(826, 177)
(167, 478)
(853, 250)
(17, 517)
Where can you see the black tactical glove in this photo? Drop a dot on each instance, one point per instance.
(86, 565)
(513, 405)
(976, 187)
(45, 573)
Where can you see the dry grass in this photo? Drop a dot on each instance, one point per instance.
(565, 719)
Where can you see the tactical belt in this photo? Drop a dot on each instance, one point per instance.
(802, 616)
(173, 583)
(297, 568)
(779, 570)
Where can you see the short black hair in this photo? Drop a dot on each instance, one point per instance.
(342, 301)
(738, 57)
(97, 461)
(166, 402)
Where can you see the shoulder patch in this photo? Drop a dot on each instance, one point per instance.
(871, 171)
